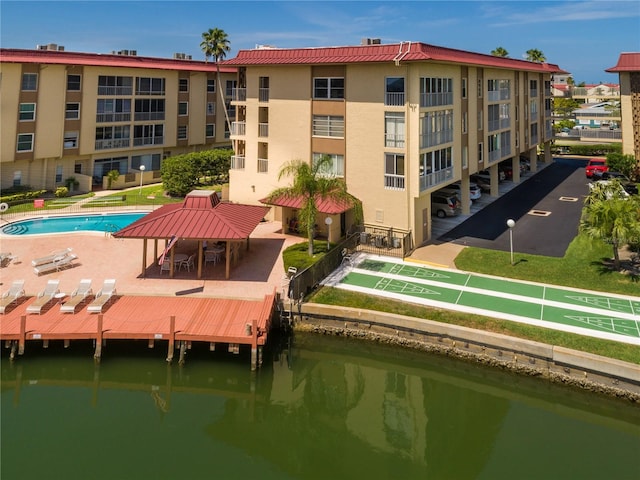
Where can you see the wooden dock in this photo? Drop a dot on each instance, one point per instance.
(177, 320)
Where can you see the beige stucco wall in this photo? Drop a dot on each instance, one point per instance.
(9, 99)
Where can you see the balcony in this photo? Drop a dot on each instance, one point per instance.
(112, 143)
(237, 162)
(436, 138)
(238, 128)
(140, 141)
(263, 95)
(263, 129)
(102, 90)
(113, 117)
(393, 182)
(436, 178)
(394, 140)
(238, 94)
(436, 99)
(533, 92)
(148, 116)
(395, 99)
(263, 165)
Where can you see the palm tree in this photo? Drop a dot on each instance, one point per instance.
(215, 43)
(312, 184)
(611, 216)
(499, 52)
(535, 55)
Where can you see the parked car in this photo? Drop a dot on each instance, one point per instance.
(445, 204)
(483, 179)
(525, 164)
(595, 167)
(630, 187)
(507, 169)
(475, 192)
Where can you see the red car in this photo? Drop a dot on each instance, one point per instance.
(596, 167)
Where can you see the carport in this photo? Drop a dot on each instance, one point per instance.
(201, 217)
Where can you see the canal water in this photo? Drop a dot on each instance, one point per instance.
(320, 408)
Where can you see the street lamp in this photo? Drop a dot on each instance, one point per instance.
(328, 221)
(141, 174)
(511, 223)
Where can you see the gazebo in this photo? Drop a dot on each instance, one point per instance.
(201, 217)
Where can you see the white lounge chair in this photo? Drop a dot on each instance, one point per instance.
(15, 292)
(78, 296)
(189, 263)
(104, 295)
(44, 297)
(59, 263)
(51, 257)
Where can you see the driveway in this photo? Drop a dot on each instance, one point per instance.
(546, 208)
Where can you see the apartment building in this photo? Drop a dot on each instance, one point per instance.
(399, 121)
(81, 115)
(628, 69)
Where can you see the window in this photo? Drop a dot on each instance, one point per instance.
(331, 87)
(211, 86)
(59, 173)
(27, 112)
(113, 136)
(72, 111)
(480, 152)
(103, 166)
(394, 171)
(183, 108)
(73, 83)
(465, 122)
(149, 86)
(70, 139)
(183, 85)
(111, 85)
(533, 109)
(113, 110)
(263, 89)
(533, 88)
(25, 142)
(480, 117)
(335, 168)
(394, 91)
(211, 108)
(436, 91)
(151, 161)
(464, 88)
(182, 132)
(435, 167)
(498, 89)
(210, 130)
(394, 133)
(465, 156)
(149, 109)
(29, 81)
(480, 87)
(328, 126)
(17, 178)
(436, 128)
(77, 168)
(148, 135)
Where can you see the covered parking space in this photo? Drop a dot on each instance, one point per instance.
(202, 218)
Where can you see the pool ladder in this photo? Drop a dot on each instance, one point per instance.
(110, 229)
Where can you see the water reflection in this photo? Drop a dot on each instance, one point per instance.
(321, 408)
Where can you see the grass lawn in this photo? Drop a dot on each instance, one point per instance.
(149, 195)
(580, 268)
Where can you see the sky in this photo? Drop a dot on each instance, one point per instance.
(581, 37)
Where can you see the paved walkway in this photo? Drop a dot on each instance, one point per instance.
(597, 314)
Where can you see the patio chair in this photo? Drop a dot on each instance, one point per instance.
(78, 296)
(104, 295)
(166, 266)
(15, 292)
(51, 257)
(58, 263)
(189, 263)
(211, 257)
(44, 297)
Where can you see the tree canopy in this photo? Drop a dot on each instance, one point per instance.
(182, 173)
(499, 52)
(215, 43)
(535, 55)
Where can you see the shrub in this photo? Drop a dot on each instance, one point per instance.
(62, 192)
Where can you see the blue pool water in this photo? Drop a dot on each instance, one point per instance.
(108, 222)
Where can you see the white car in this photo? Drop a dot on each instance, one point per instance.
(475, 192)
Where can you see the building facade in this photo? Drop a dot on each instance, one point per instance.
(399, 121)
(82, 115)
(628, 68)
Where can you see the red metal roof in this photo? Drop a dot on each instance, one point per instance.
(324, 205)
(14, 55)
(627, 62)
(200, 217)
(403, 52)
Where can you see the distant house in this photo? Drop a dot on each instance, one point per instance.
(603, 114)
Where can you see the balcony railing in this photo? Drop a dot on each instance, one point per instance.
(436, 138)
(263, 129)
(237, 162)
(394, 140)
(239, 94)
(149, 116)
(263, 165)
(263, 94)
(103, 90)
(238, 128)
(533, 92)
(497, 95)
(394, 99)
(394, 182)
(113, 117)
(139, 141)
(436, 99)
(112, 143)
(436, 178)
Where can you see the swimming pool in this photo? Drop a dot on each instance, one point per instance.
(106, 222)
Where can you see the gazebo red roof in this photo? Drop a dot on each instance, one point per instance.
(325, 205)
(627, 62)
(200, 217)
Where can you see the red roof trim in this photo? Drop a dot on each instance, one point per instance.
(323, 204)
(627, 62)
(13, 55)
(403, 52)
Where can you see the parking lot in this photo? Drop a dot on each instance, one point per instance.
(546, 207)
